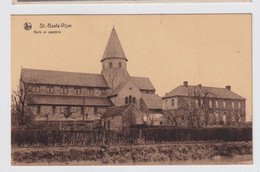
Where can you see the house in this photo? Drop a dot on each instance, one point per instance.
(122, 117)
(224, 107)
(70, 96)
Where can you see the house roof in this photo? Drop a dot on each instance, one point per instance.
(214, 92)
(143, 83)
(113, 48)
(117, 110)
(36, 76)
(70, 100)
(152, 101)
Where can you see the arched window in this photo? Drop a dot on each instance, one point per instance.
(126, 100)
(130, 99)
(110, 65)
(134, 100)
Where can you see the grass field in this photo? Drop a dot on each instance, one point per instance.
(181, 153)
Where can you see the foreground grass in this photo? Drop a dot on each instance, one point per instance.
(139, 154)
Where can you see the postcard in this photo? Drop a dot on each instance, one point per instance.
(131, 90)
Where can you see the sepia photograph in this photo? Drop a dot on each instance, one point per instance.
(97, 90)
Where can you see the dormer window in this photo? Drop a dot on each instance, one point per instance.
(110, 65)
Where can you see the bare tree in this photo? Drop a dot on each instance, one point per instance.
(196, 106)
(171, 116)
(20, 100)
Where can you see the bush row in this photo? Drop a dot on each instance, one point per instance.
(126, 137)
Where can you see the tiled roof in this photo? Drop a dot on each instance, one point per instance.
(113, 48)
(142, 83)
(70, 100)
(214, 92)
(63, 78)
(117, 110)
(152, 101)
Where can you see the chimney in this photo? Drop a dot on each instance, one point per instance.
(199, 85)
(185, 83)
(228, 87)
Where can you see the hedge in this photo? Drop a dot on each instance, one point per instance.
(36, 137)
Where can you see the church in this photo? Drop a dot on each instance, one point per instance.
(70, 96)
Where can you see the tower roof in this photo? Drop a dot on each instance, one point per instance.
(114, 48)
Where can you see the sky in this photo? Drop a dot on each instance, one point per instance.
(212, 50)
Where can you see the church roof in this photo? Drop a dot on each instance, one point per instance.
(142, 83)
(214, 92)
(70, 100)
(152, 101)
(113, 48)
(36, 76)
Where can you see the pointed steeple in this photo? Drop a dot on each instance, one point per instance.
(114, 48)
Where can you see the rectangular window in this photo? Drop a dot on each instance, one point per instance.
(37, 89)
(201, 102)
(49, 89)
(91, 91)
(239, 105)
(77, 90)
(210, 104)
(216, 104)
(119, 64)
(197, 102)
(173, 102)
(224, 104)
(233, 105)
(63, 90)
(110, 65)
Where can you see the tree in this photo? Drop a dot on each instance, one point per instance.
(171, 116)
(20, 100)
(194, 107)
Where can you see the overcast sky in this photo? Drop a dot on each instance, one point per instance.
(212, 50)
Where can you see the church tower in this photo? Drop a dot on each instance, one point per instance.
(114, 62)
